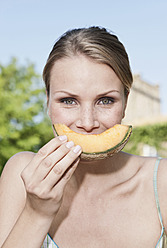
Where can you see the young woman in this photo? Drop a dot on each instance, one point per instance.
(54, 198)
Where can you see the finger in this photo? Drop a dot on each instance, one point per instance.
(56, 192)
(69, 172)
(62, 166)
(46, 150)
(59, 187)
(29, 171)
(47, 164)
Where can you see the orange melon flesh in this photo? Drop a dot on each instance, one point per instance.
(98, 145)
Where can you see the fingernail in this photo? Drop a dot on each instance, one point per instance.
(62, 137)
(77, 149)
(70, 144)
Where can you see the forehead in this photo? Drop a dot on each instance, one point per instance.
(80, 72)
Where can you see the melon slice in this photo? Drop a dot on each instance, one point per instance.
(97, 146)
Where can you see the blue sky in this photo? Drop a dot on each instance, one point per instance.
(30, 27)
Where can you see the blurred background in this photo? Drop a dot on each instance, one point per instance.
(28, 31)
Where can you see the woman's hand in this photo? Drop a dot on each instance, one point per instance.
(47, 174)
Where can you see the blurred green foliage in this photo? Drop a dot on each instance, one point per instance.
(154, 135)
(23, 121)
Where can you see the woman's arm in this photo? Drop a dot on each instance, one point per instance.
(12, 193)
(31, 194)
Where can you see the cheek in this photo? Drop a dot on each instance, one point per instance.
(56, 115)
(61, 115)
(111, 118)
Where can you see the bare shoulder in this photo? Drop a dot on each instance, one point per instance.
(163, 164)
(162, 176)
(11, 174)
(162, 189)
(147, 165)
(12, 192)
(17, 163)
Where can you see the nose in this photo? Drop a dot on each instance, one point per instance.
(87, 119)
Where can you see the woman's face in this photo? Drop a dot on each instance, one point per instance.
(85, 95)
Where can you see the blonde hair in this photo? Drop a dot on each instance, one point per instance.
(96, 43)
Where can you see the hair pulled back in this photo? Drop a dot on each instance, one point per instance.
(96, 43)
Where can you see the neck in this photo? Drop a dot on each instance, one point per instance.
(108, 172)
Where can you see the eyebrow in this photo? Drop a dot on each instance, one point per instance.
(107, 92)
(66, 92)
(74, 95)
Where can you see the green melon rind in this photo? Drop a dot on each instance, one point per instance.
(107, 153)
(127, 136)
(110, 152)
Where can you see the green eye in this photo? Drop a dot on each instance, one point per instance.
(106, 101)
(68, 101)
